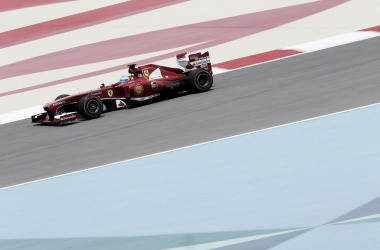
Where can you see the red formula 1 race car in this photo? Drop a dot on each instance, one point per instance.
(144, 83)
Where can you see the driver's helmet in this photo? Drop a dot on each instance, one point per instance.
(123, 79)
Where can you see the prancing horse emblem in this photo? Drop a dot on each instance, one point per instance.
(110, 93)
(146, 72)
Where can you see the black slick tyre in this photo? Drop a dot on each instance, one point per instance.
(200, 80)
(90, 107)
(61, 96)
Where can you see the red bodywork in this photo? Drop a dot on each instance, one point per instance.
(145, 82)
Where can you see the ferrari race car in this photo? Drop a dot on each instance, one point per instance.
(143, 84)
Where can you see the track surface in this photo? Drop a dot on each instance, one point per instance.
(244, 100)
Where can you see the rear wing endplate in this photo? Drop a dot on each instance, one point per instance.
(194, 60)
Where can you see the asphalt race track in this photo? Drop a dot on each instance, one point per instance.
(243, 100)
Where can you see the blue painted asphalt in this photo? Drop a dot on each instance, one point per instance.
(360, 236)
(299, 175)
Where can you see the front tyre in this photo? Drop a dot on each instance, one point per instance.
(90, 107)
(200, 80)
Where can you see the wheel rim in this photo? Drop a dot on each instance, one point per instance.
(203, 80)
(93, 106)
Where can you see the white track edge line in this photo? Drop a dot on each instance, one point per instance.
(198, 144)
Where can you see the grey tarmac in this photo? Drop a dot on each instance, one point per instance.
(244, 100)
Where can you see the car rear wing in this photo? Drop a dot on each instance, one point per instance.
(194, 60)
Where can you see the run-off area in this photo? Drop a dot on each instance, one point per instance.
(293, 177)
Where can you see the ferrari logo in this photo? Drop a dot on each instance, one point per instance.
(154, 85)
(139, 89)
(110, 93)
(146, 72)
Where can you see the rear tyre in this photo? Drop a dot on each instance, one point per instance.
(61, 96)
(200, 80)
(90, 107)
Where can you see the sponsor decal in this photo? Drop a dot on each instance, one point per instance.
(68, 117)
(139, 75)
(58, 103)
(154, 85)
(110, 92)
(120, 104)
(203, 60)
(97, 93)
(194, 57)
(144, 98)
(139, 89)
